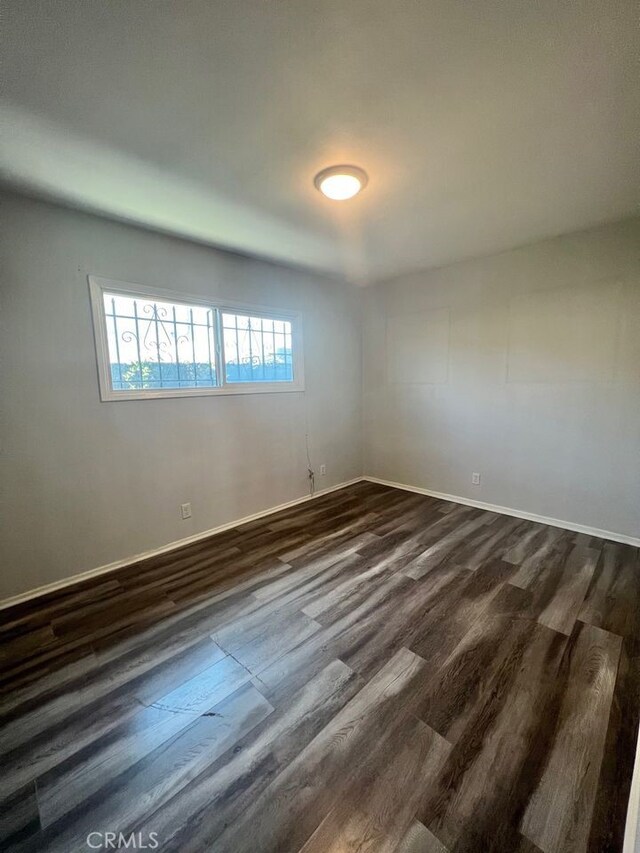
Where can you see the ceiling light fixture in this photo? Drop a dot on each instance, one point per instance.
(341, 182)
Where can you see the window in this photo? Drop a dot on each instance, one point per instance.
(155, 344)
(159, 344)
(256, 349)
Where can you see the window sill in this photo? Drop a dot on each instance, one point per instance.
(226, 391)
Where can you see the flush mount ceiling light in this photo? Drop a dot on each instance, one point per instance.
(341, 182)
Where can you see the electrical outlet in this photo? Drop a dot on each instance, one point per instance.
(323, 470)
(475, 479)
(185, 510)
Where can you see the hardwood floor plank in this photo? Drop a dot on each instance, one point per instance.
(367, 573)
(411, 515)
(26, 673)
(364, 584)
(613, 599)
(103, 618)
(395, 673)
(157, 572)
(441, 550)
(146, 672)
(25, 617)
(487, 781)
(434, 616)
(67, 785)
(337, 637)
(492, 542)
(217, 798)
(19, 818)
(263, 610)
(291, 808)
(53, 743)
(375, 810)
(451, 697)
(185, 591)
(418, 839)
(475, 593)
(560, 812)
(271, 642)
(614, 783)
(17, 648)
(319, 585)
(575, 576)
(551, 545)
(131, 797)
(25, 697)
(333, 546)
(534, 538)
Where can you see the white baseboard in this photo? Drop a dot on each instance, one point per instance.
(170, 546)
(516, 513)
(163, 549)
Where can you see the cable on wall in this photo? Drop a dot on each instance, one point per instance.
(310, 472)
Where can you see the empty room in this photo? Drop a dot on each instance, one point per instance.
(320, 426)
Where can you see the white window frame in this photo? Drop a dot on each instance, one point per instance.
(97, 288)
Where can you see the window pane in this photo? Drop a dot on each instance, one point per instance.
(257, 349)
(155, 344)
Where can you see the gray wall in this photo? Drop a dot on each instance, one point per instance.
(85, 483)
(524, 367)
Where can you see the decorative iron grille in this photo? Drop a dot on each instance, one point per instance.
(257, 349)
(154, 344)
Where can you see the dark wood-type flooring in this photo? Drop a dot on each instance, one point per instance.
(373, 670)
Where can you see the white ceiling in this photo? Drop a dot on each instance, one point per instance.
(483, 124)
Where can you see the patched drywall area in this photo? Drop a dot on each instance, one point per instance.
(565, 335)
(418, 347)
(523, 367)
